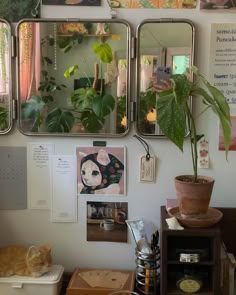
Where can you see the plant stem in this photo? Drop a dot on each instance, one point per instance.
(193, 141)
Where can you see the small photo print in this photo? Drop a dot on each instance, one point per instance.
(72, 2)
(106, 221)
(217, 4)
(101, 170)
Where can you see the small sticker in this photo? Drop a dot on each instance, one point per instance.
(148, 169)
(203, 155)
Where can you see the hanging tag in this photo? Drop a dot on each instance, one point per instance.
(148, 169)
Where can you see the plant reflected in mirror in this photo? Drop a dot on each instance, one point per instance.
(68, 84)
(159, 55)
(4, 77)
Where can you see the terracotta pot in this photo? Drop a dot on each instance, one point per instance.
(193, 198)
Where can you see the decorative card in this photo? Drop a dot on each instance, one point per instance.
(72, 2)
(13, 178)
(39, 175)
(15, 10)
(101, 170)
(64, 196)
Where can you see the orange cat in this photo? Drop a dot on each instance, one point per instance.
(17, 260)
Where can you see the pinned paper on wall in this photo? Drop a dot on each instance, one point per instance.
(64, 189)
(178, 4)
(39, 175)
(232, 146)
(203, 154)
(13, 178)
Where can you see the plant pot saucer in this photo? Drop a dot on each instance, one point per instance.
(209, 219)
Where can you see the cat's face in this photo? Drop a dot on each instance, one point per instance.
(91, 174)
(39, 259)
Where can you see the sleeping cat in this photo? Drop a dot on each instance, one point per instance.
(100, 173)
(17, 260)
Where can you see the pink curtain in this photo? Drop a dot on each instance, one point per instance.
(4, 59)
(29, 63)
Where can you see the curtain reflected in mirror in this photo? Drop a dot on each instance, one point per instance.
(5, 77)
(73, 77)
(163, 48)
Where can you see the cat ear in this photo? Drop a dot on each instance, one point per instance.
(103, 157)
(82, 155)
(48, 247)
(32, 252)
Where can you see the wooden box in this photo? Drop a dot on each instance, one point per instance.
(79, 286)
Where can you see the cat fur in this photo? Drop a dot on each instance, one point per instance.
(23, 261)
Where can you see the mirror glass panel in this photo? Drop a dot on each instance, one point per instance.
(5, 77)
(163, 48)
(73, 77)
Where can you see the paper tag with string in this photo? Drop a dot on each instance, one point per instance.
(147, 164)
(147, 169)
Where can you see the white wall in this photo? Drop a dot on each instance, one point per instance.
(70, 246)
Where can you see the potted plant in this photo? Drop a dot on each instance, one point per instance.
(174, 117)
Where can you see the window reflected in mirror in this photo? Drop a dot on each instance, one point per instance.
(5, 77)
(73, 77)
(163, 49)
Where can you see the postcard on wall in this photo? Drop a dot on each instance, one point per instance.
(72, 2)
(39, 190)
(64, 192)
(101, 170)
(222, 60)
(218, 4)
(177, 4)
(106, 221)
(15, 10)
(232, 146)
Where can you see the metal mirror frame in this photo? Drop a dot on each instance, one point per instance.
(9, 79)
(138, 68)
(128, 53)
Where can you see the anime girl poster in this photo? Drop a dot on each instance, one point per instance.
(101, 170)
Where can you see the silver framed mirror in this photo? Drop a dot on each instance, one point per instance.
(164, 46)
(73, 77)
(5, 77)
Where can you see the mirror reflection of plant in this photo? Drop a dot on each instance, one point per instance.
(121, 120)
(89, 107)
(32, 109)
(4, 120)
(147, 103)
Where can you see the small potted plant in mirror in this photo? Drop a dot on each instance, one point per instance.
(174, 116)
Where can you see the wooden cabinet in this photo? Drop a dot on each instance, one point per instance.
(205, 242)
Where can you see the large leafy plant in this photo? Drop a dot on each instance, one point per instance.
(175, 117)
(89, 107)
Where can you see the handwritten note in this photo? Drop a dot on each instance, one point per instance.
(64, 189)
(39, 175)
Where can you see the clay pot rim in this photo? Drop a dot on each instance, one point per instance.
(208, 178)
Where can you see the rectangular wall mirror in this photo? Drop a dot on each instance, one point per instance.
(73, 77)
(161, 45)
(5, 77)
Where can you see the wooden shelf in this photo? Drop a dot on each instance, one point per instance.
(205, 241)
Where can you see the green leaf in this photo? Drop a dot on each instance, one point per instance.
(32, 107)
(71, 71)
(82, 98)
(91, 122)
(171, 119)
(60, 121)
(181, 87)
(103, 106)
(103, 51)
